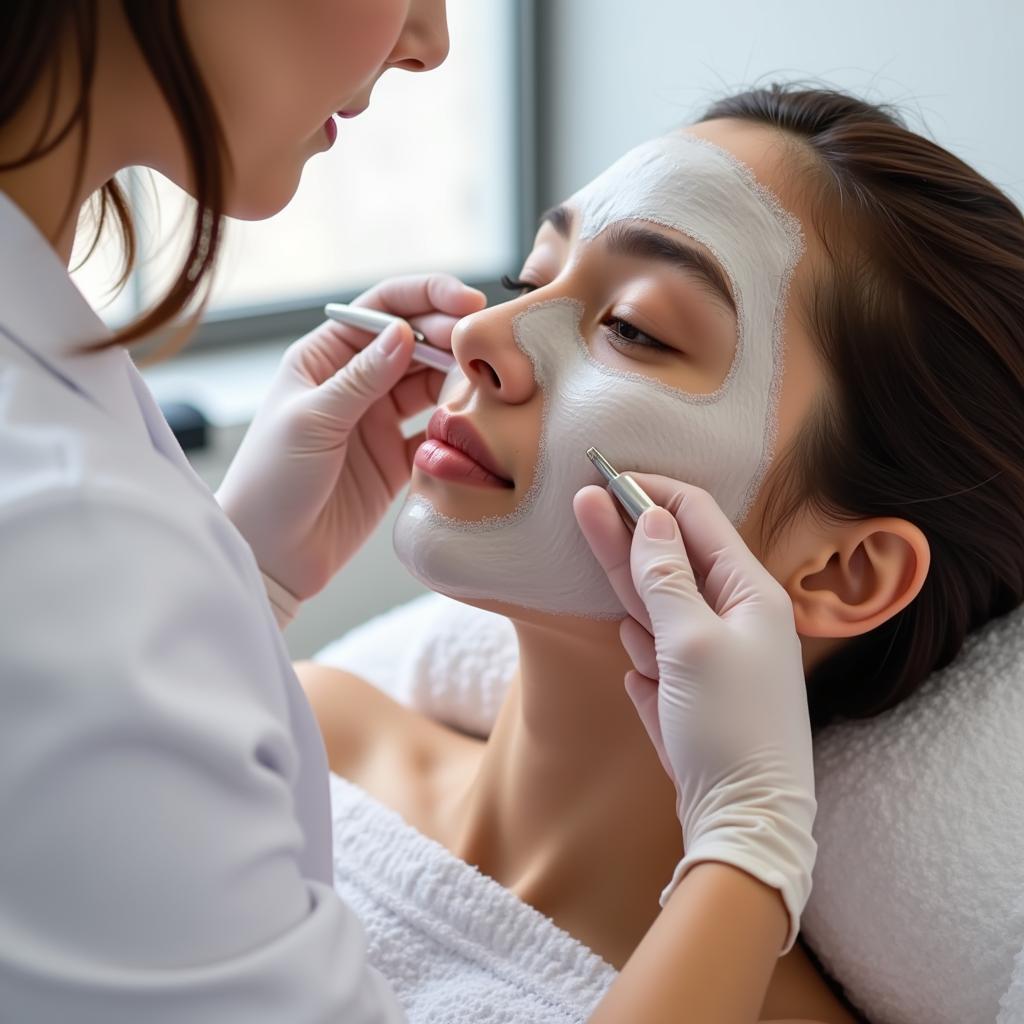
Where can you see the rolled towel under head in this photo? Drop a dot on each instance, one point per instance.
(918, 900)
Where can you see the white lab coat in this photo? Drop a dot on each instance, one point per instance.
(164, 807)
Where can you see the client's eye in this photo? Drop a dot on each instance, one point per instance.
(623, 332)
(514, 284)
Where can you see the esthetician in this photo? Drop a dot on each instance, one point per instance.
(163, 784)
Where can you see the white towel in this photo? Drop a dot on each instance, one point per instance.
(457, 947)
(918, 900)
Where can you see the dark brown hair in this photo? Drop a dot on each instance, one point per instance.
(920, 323)
(32, 33)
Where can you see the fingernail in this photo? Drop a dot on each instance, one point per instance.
(391, 340)
(659, 524)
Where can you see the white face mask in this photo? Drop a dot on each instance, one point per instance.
(535, 557)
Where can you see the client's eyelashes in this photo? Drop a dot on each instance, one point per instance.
(514, 284)
(623, 332)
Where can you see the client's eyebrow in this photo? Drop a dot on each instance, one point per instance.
(642, 243)
(560, 218)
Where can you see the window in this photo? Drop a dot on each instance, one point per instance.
(432, 178)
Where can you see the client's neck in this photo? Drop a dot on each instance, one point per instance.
(571, 808)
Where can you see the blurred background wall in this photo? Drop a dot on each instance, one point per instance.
(619, 71)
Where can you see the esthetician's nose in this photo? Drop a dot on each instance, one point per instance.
(488, 355)
(423, 44)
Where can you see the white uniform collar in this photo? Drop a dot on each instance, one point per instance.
(43, 313)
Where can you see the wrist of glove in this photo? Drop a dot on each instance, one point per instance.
(718, 683)
(773, 843)
(284, 603)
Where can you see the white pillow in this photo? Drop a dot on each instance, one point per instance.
(918, 899)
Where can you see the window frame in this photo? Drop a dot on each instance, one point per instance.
(253, 324)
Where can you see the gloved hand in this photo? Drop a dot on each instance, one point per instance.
(718, 683)
(325, 454)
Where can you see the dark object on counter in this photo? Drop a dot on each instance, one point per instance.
(188, 423)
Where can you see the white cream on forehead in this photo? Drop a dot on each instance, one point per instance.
(535, 557)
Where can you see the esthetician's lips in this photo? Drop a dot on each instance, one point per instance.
(350, 113)
(454, 451)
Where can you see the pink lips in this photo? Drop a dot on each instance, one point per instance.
(331, 126)
(454, 451)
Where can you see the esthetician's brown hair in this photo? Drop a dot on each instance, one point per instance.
(32, 33)
(920, 323)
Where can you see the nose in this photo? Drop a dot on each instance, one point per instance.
(485, 347)
(423, 44)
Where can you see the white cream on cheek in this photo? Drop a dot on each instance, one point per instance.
(535, 557)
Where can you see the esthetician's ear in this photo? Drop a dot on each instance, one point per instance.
(847, 580)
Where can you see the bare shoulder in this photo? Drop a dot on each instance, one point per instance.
(392, 751)
(351, 712)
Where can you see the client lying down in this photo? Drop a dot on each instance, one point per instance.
(801, 307)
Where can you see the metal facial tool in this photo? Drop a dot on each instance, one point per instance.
(374, 321)
(631, 496)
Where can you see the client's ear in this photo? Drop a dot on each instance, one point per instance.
(855, 576)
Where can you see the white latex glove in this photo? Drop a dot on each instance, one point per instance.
(718, 683)
(325, 454)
